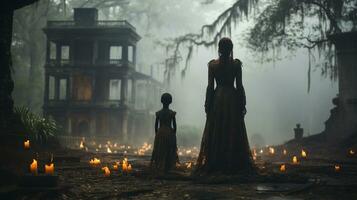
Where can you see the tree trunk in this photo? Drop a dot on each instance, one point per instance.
(6, 82)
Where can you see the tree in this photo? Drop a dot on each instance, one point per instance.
(281, 24)
(6, 83)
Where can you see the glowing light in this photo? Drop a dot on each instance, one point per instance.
(303, 154)
(271, 150)
(106, 171)
(50, 169)
(27, 144)
(94, 162)
(282, 168)
(33, 167)
(337, 168)
(351, 152)
(295, 160)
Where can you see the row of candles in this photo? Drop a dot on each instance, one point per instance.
(142, 150)
(125, 166)
(49, 168)
(282, 168)
(146, 147)
(295, 160)
(271, 151)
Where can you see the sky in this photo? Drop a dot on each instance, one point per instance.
(277, 97)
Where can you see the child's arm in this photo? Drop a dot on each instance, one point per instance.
(156, 124)
(174, 124)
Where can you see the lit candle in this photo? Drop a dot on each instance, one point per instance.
(33, 167)
(129, 168)
(189, 165)
(81, 145)
(295, 160)
(106, 171)
(50, 169)
(27, 144)
(303, 153)
(124, 167)
(94, 162)
(282, 168)
(285, 152)
(337, 168)
(116, 166)
(271, 150)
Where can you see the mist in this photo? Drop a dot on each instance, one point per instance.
(277, 97)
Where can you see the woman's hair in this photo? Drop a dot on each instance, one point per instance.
(166, 98)
(225, 49)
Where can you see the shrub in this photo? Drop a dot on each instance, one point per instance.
(38, 128)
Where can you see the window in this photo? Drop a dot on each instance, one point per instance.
(131, 53)
(115, 53)
(65, 53)
(63, 89)
(53, 51)
(82, 87)
(51, 87)
(114, 89)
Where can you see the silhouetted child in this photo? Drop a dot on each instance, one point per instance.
(164, 156)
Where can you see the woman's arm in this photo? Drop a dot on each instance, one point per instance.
(174, 124)
(210, 89)
(156, 124)
(240, 88)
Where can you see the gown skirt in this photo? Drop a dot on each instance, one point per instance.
(224, 146)
(164, 155)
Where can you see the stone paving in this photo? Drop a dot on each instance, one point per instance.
(78, 180)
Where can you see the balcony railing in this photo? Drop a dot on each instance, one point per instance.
(63, 62)
(98, 24)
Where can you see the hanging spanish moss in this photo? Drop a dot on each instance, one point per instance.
(279, 25)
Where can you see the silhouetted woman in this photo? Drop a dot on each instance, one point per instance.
(164, 156)
(224, 147)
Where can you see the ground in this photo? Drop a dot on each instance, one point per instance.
(312, 178)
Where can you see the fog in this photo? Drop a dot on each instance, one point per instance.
(276, 93)
(277, 97)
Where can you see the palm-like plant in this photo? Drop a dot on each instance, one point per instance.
(38, 128)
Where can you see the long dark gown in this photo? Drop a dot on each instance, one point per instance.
(224, 146)
(164, 156)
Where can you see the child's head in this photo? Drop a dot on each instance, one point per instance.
(166, 99)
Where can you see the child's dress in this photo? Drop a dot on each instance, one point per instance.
(164, 155)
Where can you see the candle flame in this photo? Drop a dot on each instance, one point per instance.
(125, 165)
(106, 171)
(295, 160)
(337, 168)
(303, 153)
(50, 169)
(271, 150)
(94, 162)
(27, 144)
(282, 168)
(33, 167)
(81, 145)
(189, 165)
(285, 152)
